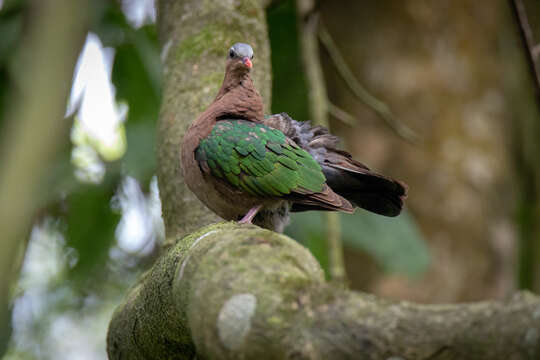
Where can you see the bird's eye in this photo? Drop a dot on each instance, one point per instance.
(231, 53)
(252, 56)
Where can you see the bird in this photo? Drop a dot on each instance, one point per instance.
(256, 169)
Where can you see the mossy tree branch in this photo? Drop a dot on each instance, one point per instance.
(241, 292)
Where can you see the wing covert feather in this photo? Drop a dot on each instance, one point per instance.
(259, 160)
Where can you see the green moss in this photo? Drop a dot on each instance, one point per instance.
(210, 40)
(212, 79)
(274, 320)
(194, 46)
(247, 8)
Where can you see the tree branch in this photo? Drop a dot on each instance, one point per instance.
(233, 292)
(361, 93)
(528, 41)
(341, 115)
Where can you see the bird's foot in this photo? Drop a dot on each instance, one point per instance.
(250, 215)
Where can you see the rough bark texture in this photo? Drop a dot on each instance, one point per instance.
(240, 292)
(195, 37)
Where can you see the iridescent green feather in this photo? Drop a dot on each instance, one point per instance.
(259, 160)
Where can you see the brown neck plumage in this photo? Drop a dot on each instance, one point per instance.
(237, 97)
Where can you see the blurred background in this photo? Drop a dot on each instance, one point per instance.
(453, 73)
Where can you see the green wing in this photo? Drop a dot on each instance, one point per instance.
(259, 160)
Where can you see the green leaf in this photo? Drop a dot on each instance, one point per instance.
(91, 225)
(11, 21)
(109, 22)
(140, 158)
(136, 76)
(6, 329)
(394, 243)
(289, 85)
(10, 33)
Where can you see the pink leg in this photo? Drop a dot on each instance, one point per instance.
(250, 215)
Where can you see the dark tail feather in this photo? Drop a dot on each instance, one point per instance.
(366, 189)
(324, 200)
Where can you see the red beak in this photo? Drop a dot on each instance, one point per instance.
(247, 62)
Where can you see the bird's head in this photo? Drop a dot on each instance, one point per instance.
(239, 58)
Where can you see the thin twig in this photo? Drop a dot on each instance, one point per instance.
(308, 21)
(529, 272)
(361, 93)
(536, 51)
(336, 262)
(341, 114)
(528, 41)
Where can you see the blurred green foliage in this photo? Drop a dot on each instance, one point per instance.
(91, 225)
(289, 83)
(11, 21)
(136, 76)
(394, 243)
(85, 220)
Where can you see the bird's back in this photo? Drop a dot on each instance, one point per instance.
(347, 177)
